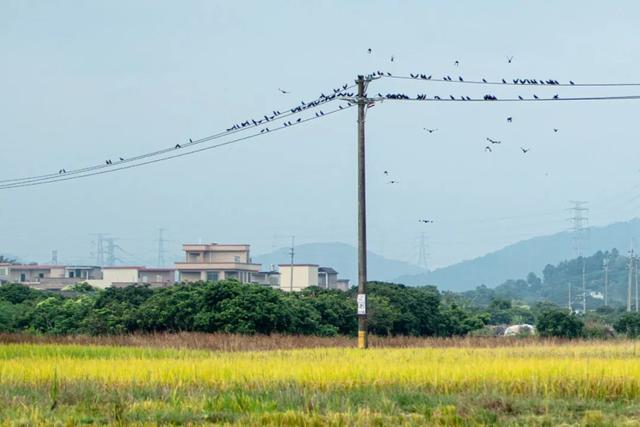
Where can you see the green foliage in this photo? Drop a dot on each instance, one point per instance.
(629, 324)
(232, 307)
(555, 322)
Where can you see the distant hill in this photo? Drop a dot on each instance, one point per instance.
(343, 258)
(518, 259)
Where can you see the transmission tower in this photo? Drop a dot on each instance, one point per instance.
(54, 257)
(110, 251)
(580, 229)
(423, 253)
(99, 242)
(161, 249)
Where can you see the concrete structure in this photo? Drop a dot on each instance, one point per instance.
(304, 276)
(342, 285)
(266, 278)
(123, 276)
(52, 277)
(4, 272)
(327, 278)
(213, 261)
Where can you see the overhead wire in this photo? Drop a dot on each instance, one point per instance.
(174, 156)
(522, 82)
(304, 106)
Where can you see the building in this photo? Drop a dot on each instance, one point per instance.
(213, 261)
(123, 276)
(297, 277)
(266, 278)
(4, 272)
(52, 277)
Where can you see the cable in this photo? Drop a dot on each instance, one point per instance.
(292, 111)
(400, 97)
(513, 82)
(68, 178)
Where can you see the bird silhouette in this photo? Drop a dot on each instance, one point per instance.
(555, 130)
(487, 148)
(571, 82)
(108, 162)
(392, 58)
(283, 91)
(525, 150)
(460, 78)
(504, 81)
(386, 172)
(509, 59)
(369, 50)
(426, 221)
(509, 119)
(456, 63)
(177, 146)
(484, 80)
(535, 96)
(430, 130)
(191, 140)
(520, 98)
(62, 171)
(393, 182)
(493, 141)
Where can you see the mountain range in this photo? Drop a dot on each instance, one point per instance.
(513, 261)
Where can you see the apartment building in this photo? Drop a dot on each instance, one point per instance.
(213, 261)
(4, 272)
(52, 277)
(297, 277)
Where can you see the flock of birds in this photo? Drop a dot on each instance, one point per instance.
(337, 93)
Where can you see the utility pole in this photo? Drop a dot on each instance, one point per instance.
(630, 267)
(579, 220)
(605, 264)
(292, 254)
(363, 339)
(161, 251)
(570, 305)
(635, 264)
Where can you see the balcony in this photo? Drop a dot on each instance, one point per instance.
(202, 266)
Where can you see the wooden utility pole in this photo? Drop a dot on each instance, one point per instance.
(363, 341)
(631, 255)
(606, 281)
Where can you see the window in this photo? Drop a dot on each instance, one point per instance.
(212, 276)
(236, 258)
(41, 275)
(23, 277)
(71, 274)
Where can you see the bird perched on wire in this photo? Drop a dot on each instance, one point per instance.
(178, 146)
(121, 159)
(108, 162)
(62, 171)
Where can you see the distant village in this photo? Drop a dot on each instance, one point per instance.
(202, 262)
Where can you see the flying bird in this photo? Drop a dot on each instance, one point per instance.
(525, 150)
(487, 148)
(430, 130)
(392, 58)
(509, 119)
(369, 50)
(555, 129)
(456, 63)
(426, 221)
(283, 91)
(386, 172)
(509, 59)
(393, 182)
(493, 141)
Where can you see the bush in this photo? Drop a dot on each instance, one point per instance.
(555, 322)
(628, 324)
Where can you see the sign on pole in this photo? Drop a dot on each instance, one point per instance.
(362, 304)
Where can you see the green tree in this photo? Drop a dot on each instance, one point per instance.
(629, 324)
(556, 322)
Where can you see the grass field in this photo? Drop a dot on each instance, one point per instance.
(462, 382)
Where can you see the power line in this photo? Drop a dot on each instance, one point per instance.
(252, 123)
(222, 144)
(510, 82)
(423, 98)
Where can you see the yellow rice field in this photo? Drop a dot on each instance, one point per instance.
(608, 371)
(396, 379)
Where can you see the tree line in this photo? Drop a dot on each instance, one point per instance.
(232, 307)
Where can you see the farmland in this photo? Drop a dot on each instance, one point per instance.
(442, 382)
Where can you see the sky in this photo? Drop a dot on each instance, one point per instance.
(86, 81)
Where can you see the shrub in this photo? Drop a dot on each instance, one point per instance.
(555, 322)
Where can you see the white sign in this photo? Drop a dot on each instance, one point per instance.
(362, 304)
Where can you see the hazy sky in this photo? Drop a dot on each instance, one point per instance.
(81, 82)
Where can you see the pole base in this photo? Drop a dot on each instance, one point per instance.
(362, 339)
